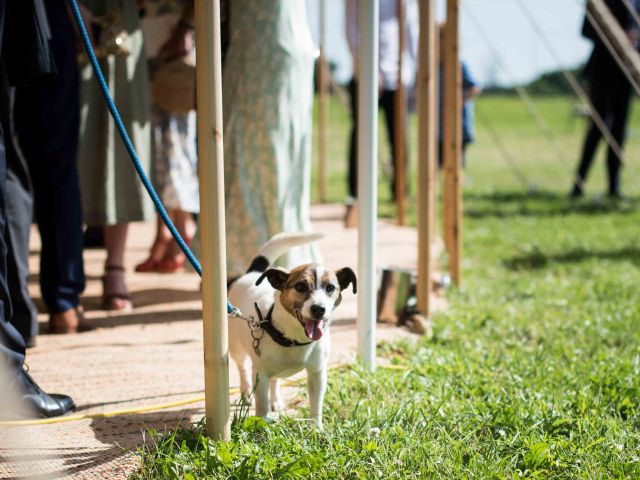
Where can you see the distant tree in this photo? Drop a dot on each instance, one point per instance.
(552, 83)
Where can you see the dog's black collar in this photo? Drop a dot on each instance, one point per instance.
(275, 334)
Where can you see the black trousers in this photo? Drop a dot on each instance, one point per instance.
(12, 344)
(386, 101)
(19, 215)
(611, 101)
(48, 123)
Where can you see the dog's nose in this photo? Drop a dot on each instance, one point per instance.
(317, 311)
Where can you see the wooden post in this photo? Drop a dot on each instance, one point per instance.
(427, 150)
(322, 108)
(400, 114)
(368, 12)
(212, 219)
(452, 143)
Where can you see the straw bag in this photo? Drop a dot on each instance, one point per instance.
(173, 87)
(110, 35)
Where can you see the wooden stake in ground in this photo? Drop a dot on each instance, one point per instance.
(368, 14)
(452, 143)
(427, 151)
(212, 218)
(322, 108)
(400, 114)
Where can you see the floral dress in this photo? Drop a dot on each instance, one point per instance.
(174, 164)
(267, 102)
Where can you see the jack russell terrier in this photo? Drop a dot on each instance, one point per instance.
(291, 325)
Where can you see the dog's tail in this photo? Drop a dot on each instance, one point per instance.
(278, 245)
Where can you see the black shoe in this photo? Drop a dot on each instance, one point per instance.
(36, 403)
(576, 192)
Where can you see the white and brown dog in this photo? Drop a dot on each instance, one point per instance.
(294, 308)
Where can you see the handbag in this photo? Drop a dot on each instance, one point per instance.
(173, 86)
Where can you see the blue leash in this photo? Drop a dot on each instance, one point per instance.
(231, 310)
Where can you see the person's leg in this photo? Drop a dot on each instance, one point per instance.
(159, 248)
(19, 212)
(353, 141)
(12, 345)
(387, 101)
(174, 259)
(592, 138)
(620, 113)
(32, 401)
(48, 122)
(464, 153)
(115, 293)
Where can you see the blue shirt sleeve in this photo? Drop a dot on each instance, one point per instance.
(467, 79)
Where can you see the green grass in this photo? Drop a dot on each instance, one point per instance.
(533, 370)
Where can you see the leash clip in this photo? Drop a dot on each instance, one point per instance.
(251, 321)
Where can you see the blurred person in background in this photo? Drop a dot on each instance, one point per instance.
(47, 120)
(170, 44)
(470, 89)
(112, 195)
(388, 80)
(610, 94)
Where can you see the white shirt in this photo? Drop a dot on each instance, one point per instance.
(388, 38)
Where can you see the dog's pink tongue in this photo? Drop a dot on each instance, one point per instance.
(312, 329)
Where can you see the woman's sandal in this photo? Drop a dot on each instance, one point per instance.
(149, 265)
(171, 264)
(115, 295)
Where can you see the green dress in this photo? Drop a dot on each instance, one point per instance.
(111, 191)
(267, 97)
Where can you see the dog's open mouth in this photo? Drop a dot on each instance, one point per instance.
(312, 328)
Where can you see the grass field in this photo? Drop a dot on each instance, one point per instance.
(533, 371)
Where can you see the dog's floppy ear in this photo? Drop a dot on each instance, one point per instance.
(345, 277)
(277, 277)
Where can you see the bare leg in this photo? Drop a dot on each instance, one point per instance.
(316, 385)
(115, 292)
(159, 247)
(174, 258)
(186, 226)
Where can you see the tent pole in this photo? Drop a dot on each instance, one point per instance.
(452, 143)
(367, 178)
(322, 107)
(212, 218)
(427, 151)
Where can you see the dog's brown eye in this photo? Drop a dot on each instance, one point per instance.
(330, 288)
(301, 287)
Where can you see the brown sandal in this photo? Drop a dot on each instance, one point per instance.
(115, 294)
